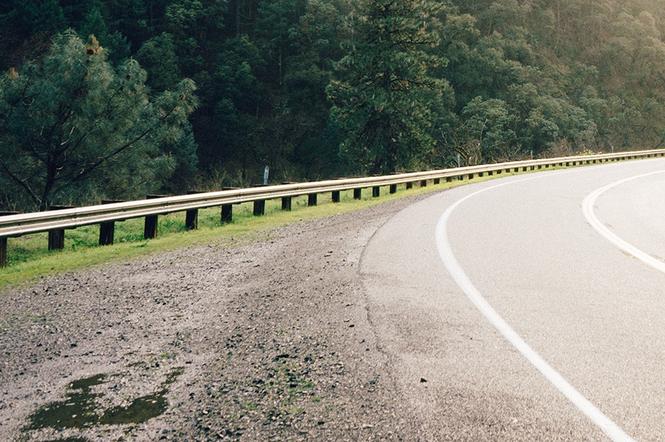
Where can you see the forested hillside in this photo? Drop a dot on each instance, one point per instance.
(117, 98)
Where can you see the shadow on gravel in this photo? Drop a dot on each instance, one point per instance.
(79, 408)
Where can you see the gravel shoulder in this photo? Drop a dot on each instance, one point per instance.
(267, 341)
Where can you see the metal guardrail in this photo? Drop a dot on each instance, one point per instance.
(56, 221)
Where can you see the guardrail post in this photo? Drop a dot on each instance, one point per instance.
(4, 242)
(227, 209)
(192, 215)
(56, 238)
(151, 224)
(259, 207)
(393, 188)
(423, 183)
(409, 185)
(106, 233)
(286, 203)
(358, 194)
(227, 213)
(376, 191)
(192, 219)
(471, 176)
(107, 229)
(437, 181)
(3, 252)
(517, 169)
(336, 196)
(150, 227)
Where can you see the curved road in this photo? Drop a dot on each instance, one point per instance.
(521, 308)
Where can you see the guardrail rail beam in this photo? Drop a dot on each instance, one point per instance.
(55, 222)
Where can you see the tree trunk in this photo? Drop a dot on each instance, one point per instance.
(51, 170)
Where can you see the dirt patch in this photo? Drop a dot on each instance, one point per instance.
(268, 341)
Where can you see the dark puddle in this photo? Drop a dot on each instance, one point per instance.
(79, 409)
(142, 408)
(76, 411)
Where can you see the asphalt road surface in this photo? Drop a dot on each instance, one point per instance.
(533, 307)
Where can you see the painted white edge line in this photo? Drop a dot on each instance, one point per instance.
(612, 430)
(590, 215)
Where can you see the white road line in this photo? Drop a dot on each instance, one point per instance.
(612, 430)
(590, 215)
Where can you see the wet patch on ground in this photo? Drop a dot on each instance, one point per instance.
(86, 406)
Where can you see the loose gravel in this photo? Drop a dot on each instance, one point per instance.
(267, 341)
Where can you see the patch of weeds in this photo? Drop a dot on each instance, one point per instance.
(251, 406)
(288, 385)
(165, 355)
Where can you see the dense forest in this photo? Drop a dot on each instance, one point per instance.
(119, 98)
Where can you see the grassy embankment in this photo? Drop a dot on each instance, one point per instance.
(30, 259)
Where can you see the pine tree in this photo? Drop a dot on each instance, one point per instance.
(72, 126)
(384, 97)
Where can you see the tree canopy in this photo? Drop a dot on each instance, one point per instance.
(71, 123)
(316, 88)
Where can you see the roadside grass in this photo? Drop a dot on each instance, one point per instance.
(30, 259)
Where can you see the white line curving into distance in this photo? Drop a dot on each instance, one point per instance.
(590, 215)
(612, 430)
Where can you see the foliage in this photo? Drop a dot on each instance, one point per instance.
(322, 88)
(385, 97)
(73, 125)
